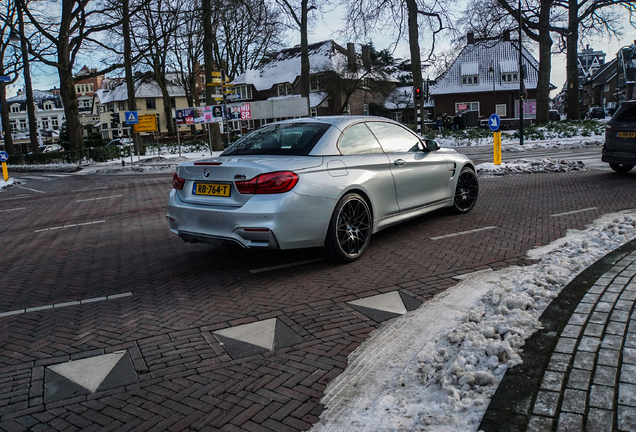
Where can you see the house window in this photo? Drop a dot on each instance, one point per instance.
(347, 110)
(470, 80)
(245, 91)
(23, 125)
(281, 89)
(15, 108)
(467, 106)
(173, 103)
(150, 103)
(14, 126)
(509, 77)
(313, 112)
(606, 88)
(55, 124)
(501, 110)
(48, 106)
(290, 89)
(120, 106)
(45, 123)
(316, 83)
(91, 88)
(365, 109)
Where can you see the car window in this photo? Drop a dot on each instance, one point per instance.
(394, 138)
(626, 114)
(295, 139)
(358, 139)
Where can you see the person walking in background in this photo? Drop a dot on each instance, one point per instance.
(455, 126)
(439, 123)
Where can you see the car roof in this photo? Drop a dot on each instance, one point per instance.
(340, 122)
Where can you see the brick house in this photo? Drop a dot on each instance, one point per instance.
(485, 79)
(600, 89)
(335, 73)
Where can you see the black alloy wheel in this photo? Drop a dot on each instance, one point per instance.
(466, 191)
(349, 230)
(621, 168)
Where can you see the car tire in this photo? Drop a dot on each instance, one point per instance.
(466, 191)
(621, 168)
(349, 230)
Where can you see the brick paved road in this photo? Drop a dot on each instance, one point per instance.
(176, 295)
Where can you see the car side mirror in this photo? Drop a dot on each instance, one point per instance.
(431, 145)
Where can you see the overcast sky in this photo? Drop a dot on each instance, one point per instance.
(327, 28)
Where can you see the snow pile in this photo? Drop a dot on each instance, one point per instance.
(4, 184)
(407, 377)
(529, 166)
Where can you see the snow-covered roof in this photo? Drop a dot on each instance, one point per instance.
(469, 68)
(285, 67)
(37, 95)
(143, 89)
(483, 55)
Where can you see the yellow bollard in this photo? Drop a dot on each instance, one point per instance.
(497, 149)
(5, 173)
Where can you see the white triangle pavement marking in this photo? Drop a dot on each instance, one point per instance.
(389, 302)
(89, 372)
(259, 333)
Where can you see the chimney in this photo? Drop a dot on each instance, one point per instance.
(366, 56)
(506, 35)
(470, 38)
(351, 55)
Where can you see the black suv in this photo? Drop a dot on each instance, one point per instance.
(620, 138)
(597, 113)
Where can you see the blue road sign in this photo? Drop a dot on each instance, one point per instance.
(494, 121)
(4, 156)
(5, 78)
(131, 117)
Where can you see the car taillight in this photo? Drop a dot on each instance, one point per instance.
(270, 183)
(608, 128)
(177, 182)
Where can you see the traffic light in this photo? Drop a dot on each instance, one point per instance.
(418, 93)
(114, 117)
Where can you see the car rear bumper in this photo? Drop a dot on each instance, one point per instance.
(618, 157)
(284, 221)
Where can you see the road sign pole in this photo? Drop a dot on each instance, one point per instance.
(497, 148)
(5, 173)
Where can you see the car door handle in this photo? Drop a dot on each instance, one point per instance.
(400, 162)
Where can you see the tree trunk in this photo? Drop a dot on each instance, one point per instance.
(572, 61)
(304, 54)
(6, 121)
(130, 79)
(545, 48)
(28, 86)
(414, 44)
(208, 59)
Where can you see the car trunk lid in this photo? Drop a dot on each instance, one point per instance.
(224, 171)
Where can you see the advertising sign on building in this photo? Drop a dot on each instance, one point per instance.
(246, 114)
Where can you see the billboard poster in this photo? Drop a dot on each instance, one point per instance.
(245, 112)
(178, 114)
(529, 107)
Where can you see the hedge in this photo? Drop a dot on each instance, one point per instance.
(95, 154)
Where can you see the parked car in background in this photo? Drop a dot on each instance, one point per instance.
(121, 142)
(49, 148)
(596, 113)
(327, 181)
(619, 149)
(554, 115)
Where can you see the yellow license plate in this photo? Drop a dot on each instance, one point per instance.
(213, 189)
(626, 134)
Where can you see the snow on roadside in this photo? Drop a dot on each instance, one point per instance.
(529, 166)
(4, 184)
(435, 369)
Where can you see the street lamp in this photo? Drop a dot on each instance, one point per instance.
(491, 71)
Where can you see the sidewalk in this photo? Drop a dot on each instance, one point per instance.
(579, 371)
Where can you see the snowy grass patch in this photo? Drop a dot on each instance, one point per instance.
(529, 166)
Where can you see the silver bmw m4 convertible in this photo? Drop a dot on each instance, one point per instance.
(324, 181)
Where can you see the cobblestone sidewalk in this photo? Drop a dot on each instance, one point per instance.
(579, 372)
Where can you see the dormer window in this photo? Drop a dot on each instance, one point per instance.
(15, 108)
(48, 106)
(510, 77)
(470, 80)
(316, 83)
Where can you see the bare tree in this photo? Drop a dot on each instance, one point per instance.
(9, 61)
(154, 31)
(68, 30)
(403, 17)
